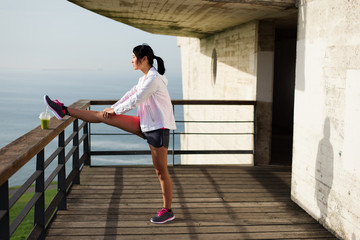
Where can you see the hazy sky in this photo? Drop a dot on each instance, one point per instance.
(56, 34)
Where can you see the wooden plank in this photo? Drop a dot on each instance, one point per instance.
(209, 203)
(274, 230)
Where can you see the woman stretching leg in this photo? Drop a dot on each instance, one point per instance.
(153, 123)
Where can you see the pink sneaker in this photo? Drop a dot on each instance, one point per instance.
(163, 216)
(56, 107)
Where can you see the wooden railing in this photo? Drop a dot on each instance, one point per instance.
(22, 150)
(15, 155)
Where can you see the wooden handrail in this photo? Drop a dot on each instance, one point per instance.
(16, 154)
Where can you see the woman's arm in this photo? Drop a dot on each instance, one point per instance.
(143, 91)
(108, 113)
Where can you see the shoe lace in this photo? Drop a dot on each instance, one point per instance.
(61, 104)
(161, 212)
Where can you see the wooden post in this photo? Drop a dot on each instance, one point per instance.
(4, 211)
(62, 172)
(39, 215)
(76, 164)
(86, 144)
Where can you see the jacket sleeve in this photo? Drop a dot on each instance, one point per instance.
(125, 97)
(137, 95)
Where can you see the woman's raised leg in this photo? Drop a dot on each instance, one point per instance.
(127, 123)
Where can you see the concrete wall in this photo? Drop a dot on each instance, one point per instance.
(326, 169)
(236, 79)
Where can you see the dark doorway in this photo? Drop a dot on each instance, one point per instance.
(283, 98)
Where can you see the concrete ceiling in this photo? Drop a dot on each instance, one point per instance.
(192, 18)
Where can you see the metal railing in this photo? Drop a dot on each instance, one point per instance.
(172, 150)
(15, 155)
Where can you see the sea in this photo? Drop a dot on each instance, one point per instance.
(21, 102)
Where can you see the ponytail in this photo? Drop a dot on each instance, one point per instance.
(145, 50)
(160, 65)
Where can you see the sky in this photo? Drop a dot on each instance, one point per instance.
(57, 35)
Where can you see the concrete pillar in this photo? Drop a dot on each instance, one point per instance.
(264, 91)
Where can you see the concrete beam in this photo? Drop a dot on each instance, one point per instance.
(190, 18)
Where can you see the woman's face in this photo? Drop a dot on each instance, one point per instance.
(139, 64)
(136, 64)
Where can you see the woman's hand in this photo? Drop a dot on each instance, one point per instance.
(108, 113)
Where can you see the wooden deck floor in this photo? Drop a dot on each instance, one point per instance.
(209, 202)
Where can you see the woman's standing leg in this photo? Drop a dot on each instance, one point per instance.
(159, 157)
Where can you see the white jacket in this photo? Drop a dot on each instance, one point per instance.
(152, 98)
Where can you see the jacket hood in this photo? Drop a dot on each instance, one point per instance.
(162, 77)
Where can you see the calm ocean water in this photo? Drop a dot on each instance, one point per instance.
(21, 101)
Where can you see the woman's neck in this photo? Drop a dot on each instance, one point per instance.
(146, 69)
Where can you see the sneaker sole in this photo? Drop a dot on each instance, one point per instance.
(167, 220)
(55, 113)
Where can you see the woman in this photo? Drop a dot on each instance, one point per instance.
(154, 118)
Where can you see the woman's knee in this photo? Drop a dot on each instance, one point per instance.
(162, 175)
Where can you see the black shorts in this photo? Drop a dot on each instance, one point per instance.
(158, 138)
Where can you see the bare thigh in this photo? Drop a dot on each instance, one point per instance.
(125, 122)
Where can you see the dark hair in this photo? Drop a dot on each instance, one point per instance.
(145, 50)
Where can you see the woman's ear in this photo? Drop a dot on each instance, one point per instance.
(145, 59)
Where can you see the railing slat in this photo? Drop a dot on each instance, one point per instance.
(15, 197)
(51, 177)
(82, 138)
(52, 157)
(15, 224)
(35, 233)
(70, 153)
(70, 138)
(53, 205)
(176, 152)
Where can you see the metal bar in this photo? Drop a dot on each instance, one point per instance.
(53, 205)
(86, 145)
(62, 173)
(185, 102)
(176, 133)
(173, 137)
(83, 159)
(89, 143)
(214, 121)
(71, 177)
(4, 210)
(176, 152)
(76, 165)
(39, 218)
(213, 102)
(137, 152)
(70, 153)
(82, 125)
(15, 224)
(35, 233)
(254, 138)
(52, 157)
(82, 139)
(195, 133)
(53, 175)
(23, 188)
(70, 138)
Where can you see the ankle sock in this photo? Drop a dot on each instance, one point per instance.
(169, 210)
(66, 110)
